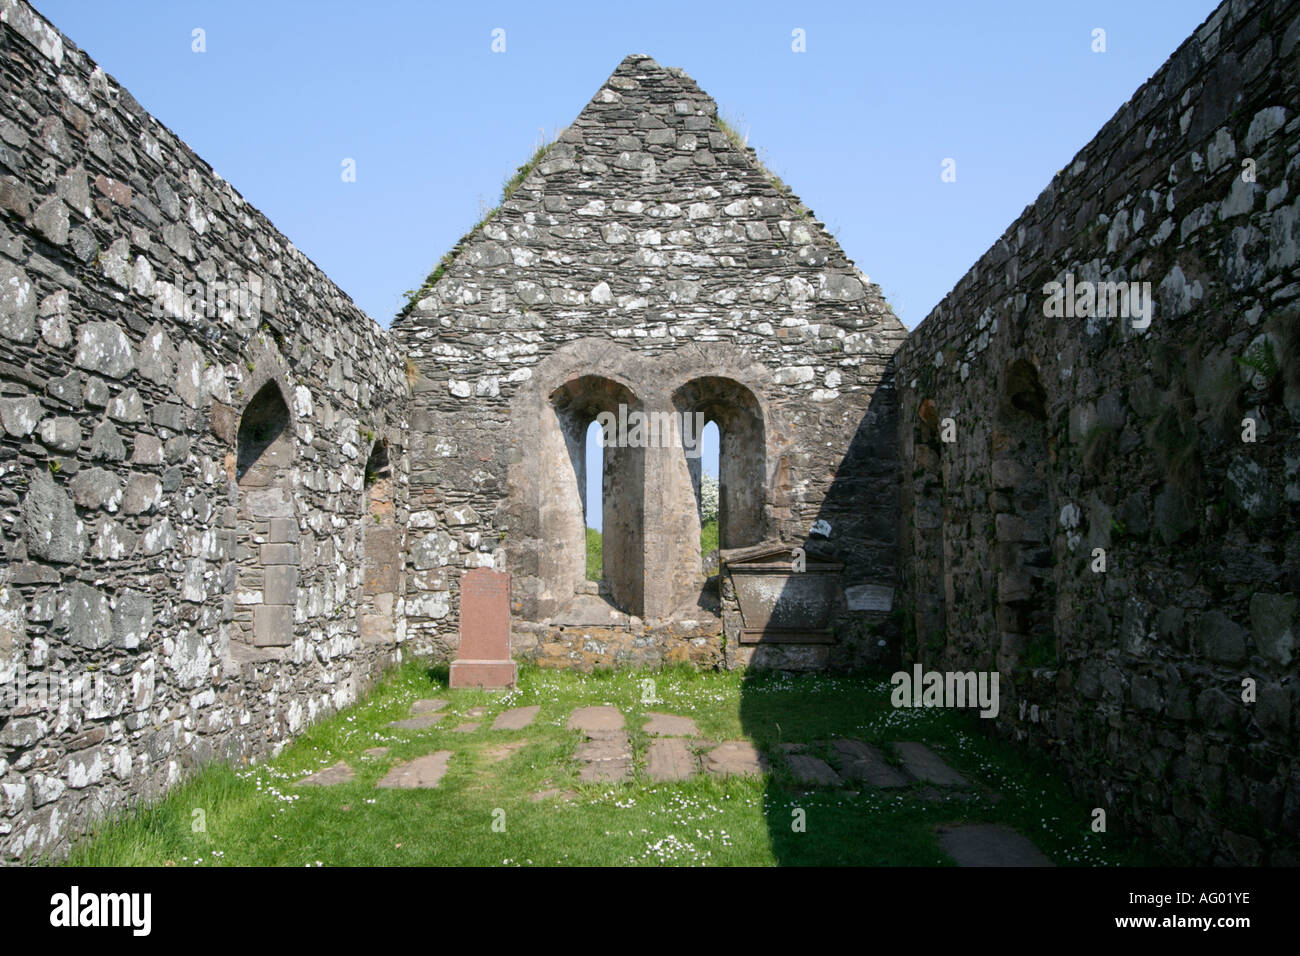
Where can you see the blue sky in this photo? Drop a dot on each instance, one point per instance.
(858, 125)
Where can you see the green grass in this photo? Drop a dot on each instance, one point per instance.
(595, 562)
(254, 816)
(708, 543)
(709, 537)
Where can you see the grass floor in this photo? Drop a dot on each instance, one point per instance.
(483, 813)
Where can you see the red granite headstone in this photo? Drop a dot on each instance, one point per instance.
(484, 656)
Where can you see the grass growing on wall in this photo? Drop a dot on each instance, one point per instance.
(508, 187)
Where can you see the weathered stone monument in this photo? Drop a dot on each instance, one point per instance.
(483, 659)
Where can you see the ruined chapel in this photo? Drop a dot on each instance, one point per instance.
(224, 513)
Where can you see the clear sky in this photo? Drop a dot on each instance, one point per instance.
(858, 125)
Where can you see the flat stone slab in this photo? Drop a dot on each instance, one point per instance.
(812, 770)
(467, 728)
(416, 723)
(606, 756)
(339, 773)
(422, 773)
(670, 759)
(476, 712)
(924, 764)
(596, 718)
(738, 757)
(862, 762)
(427, 706)
(988, 844)
(670, 725)
(374, 753)
(590, 610)
(516, 718)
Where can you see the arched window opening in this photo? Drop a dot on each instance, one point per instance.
(705, 476)
(377, 468)
(593, 497)
(264, 423)
(731, 411)
(590, 486)
(380, 543)
(1023, 522)
(724, 439)
(267, 527)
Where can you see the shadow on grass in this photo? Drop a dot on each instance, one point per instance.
(853, 824)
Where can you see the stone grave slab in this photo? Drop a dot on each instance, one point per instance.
(808, 769)
(422, 773)
(864, 763)
(738, 757)
(416, 723)
(596, 718)
(517, 718)
(924, 764)
(606, 757)
(988, 844)
(427, 706)
(670, 725)
(670, 759)
(330, 776)
(483, 659)
(465, 728)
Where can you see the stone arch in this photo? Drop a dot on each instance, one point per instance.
(574, 406)
(544, 479)
(266, 591)
(724, 384)
(380, 549)
(742, 458)
(1022, 513)
(653, 568)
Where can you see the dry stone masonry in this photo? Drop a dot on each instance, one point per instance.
(229, 499)
(1167, 447)
(647, 263)
(188, 406)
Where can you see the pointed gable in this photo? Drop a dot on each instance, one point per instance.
(646, 208)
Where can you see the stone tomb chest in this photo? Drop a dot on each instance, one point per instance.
(775, 594)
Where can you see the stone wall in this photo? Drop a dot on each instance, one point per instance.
(646, 261)
(188, 406)
(1073, 433)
